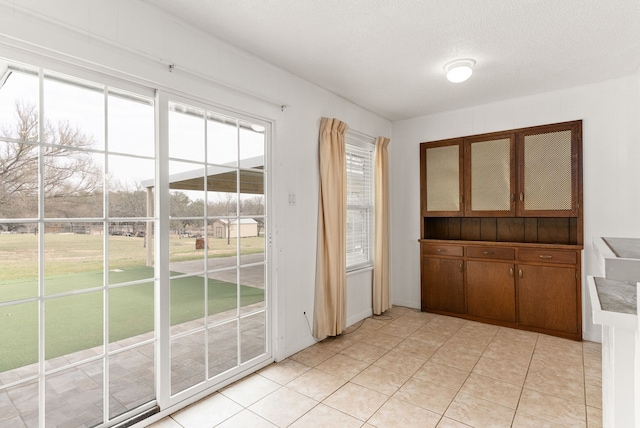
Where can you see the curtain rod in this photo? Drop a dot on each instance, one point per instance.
(171, 66)
(359, 134)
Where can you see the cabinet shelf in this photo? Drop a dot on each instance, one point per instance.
(534, 230)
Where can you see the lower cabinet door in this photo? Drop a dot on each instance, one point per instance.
(547, 297)
(443, 284)
(491, 291)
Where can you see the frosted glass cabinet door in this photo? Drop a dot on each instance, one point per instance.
(441, 177)
(491, 176)
(549, 173)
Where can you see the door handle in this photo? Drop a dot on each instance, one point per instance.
(511, 272)
(521, 196)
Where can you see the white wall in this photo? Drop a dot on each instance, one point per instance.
(610, 112)
(134, 41)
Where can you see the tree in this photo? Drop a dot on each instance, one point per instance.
(182, 206)
(226, 206)
(126, 202)
(72, 181)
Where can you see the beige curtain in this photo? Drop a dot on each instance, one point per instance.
(381, 289)
(329, 314)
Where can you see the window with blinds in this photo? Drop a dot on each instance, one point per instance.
(360, 200)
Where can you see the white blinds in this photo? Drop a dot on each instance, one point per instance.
(360, 200)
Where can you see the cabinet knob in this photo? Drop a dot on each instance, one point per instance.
(521, 196)
(462, 267)
(520, 273)
(511, 272)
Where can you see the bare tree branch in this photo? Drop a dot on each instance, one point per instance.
(68, 171)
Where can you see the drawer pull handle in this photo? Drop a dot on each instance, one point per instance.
(488, 252)
(544, 256)
(439, 250)
(511, 272)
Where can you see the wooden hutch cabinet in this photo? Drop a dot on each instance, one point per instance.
(501, 228)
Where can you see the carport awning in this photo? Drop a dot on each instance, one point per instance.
(220, 178)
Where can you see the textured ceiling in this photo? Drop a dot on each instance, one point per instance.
(387, 55)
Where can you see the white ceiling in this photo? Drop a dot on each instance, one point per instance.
(387, 55)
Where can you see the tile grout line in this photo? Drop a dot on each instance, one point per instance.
(525, 379)
(467, 378)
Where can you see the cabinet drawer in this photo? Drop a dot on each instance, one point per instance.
(441, 250)
(491, 253)
(549, 256)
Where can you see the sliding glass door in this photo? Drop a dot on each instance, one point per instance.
(133, 247)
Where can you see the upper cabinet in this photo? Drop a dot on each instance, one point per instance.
(441, 177)
(549, 171)
(521, 185)
(490, 175)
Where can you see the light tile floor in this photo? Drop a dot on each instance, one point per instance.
(407, 369)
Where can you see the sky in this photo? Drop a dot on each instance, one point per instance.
(130, 127)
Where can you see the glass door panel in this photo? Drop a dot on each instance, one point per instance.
(186, 132)
(74, 112)
(217, 240)
(73, 257)
(131, 125)
(78, 270)
(19, 254)
(251, 145)
(131, 378)
(223, 347)
(223, 294)
(19, 189)
(222, 139)
(252, 288)
(188, 360)
(131, 314)
(73, 327)
(75, 394)
(252, 336)
(19, 324)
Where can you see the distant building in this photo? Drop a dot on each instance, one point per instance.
(248, 228)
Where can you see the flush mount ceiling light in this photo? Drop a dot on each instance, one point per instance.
(459, 70)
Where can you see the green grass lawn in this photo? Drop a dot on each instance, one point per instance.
(75, 322)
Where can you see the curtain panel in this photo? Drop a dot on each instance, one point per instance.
(381, 287)
(329, 314)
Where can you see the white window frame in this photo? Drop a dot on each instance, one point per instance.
(359, 243)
